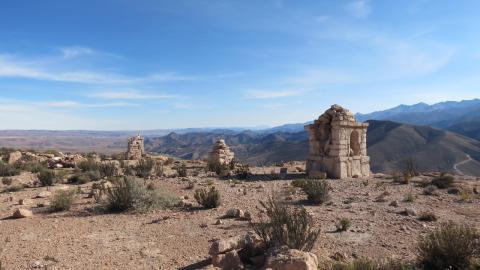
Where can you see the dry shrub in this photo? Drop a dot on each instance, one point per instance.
(129, 194)
(430, 190)
(343, 225)
(298, 183)
(7, 181)
(62, 200)
(366, 264)
(451, 246)
(427, 216)
(317, 191)
(47, 177)
(285, 226)
(443, 181)
(8, 170)
(208, 199)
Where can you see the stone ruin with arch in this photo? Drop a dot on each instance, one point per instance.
(337, 146)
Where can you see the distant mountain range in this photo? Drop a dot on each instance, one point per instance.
(462, 117)
(435, 136)
(390, 145)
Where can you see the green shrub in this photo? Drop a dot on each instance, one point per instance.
(223, 170)
(451, 246)
(8, 170)
(427, 216)
(317, 191)
(145, 167)
(285, 225)
(88, 165)
(47, 177)
(343, 225)
(129, 194)
(62, 200)
(7, 181)
(443, 181)
(298, 183)
(208, 199)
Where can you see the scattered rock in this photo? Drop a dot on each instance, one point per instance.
(226, 245)
(394, 203)
(229, 260)
(24, 202)
(219, 222)
(292, 259)
(410, 212)
(22, 213)
(234, 213)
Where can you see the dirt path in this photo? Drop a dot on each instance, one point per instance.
(455, 167)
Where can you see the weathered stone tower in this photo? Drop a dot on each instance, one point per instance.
(135, 149)
(221, 153)
(338, 145)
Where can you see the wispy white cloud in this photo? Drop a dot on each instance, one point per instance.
(74, 52)
(60, 71)
(272, 94)
(75, 104)
(360, 8)
(129, 94)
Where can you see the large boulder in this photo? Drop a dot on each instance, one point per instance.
(14, 157)
(229, 260)
(291, 259)
(226, 245)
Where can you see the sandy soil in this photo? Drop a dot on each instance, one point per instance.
(179, 238)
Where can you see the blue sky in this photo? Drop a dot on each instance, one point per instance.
(153, 64)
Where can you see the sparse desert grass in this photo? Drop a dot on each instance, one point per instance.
(317, 191)
(343, 225)
(451, 246)
(62, 200)
(208, 199)
(285, 225)
(84, 177)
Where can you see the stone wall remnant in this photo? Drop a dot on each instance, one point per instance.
(136, 148)
(338, 145)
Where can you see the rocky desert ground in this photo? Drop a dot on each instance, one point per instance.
(387, 217)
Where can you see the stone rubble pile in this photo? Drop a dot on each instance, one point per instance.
(221, 153)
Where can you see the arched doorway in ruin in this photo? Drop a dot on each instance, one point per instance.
(355, 143)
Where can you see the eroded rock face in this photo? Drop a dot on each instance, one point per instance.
(338, 145)
(136, 149)
(221, 153)
(291, 259)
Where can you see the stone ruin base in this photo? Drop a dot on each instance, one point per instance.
(338, 167)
